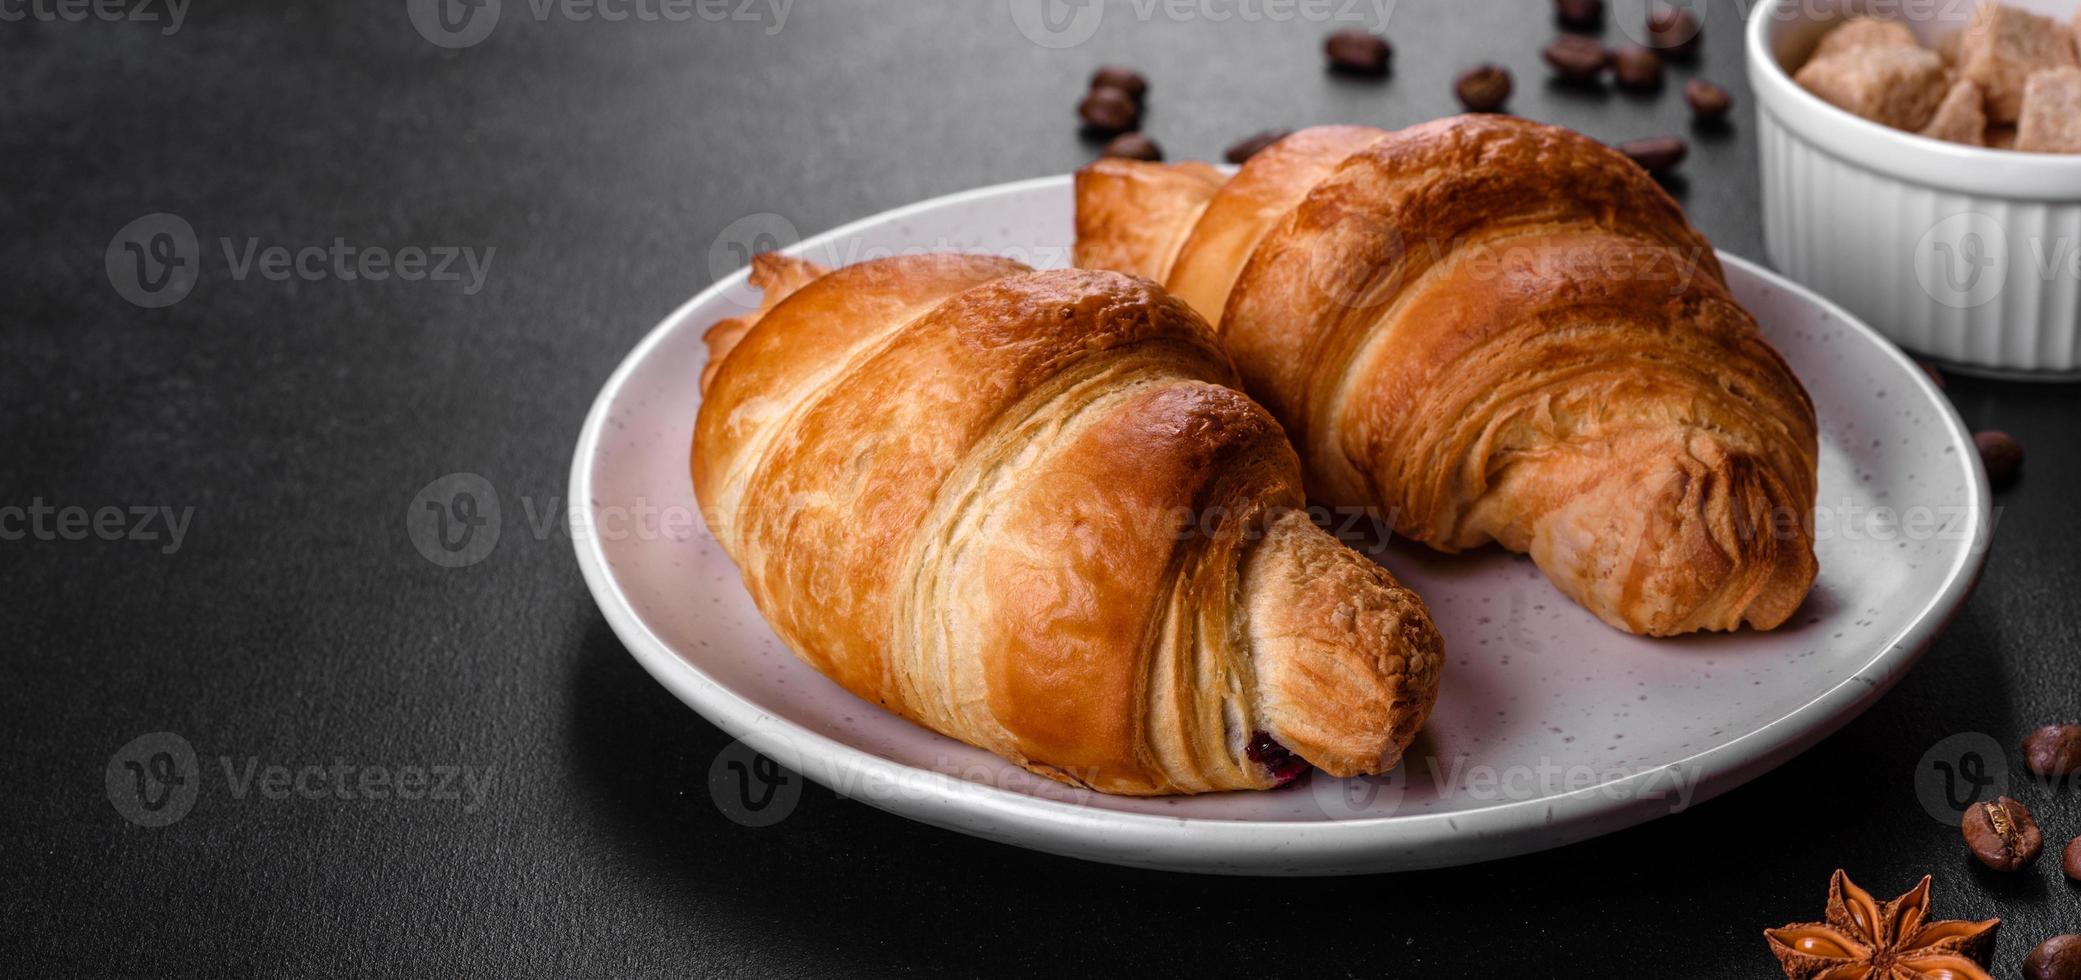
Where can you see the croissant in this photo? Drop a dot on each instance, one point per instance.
(1496, 330)
(1032, 512)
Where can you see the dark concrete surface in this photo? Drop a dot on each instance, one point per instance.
(296, 624)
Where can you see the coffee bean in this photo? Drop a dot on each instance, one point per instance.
(1709, 103)
(1127, 80)
(1357, 51)
(1576, 59)
(2002, 834)
(1936, 377)
(2070, 860)
(2058, 958)
(2002, 455)
(1133, 146)
(1580, 14)
(1658, 155)
(1109, 110)
(2054, 750)
(1483, 88)
(1637, 68)
(1251, 146)
(1674, 32)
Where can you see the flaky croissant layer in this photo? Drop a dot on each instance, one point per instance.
(1032, 512)
(1496, 330)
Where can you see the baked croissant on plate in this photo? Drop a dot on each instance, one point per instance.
(1031, 511)
(1496, 330)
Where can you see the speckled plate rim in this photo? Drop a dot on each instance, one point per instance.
(1353, 846)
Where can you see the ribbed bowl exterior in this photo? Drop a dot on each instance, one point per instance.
(1948, 267)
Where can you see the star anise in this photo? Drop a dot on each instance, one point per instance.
(1866, 939)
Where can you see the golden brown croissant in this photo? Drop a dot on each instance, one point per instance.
(1497, 330)
(1031, 511)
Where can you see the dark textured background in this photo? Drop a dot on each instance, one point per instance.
(298, 624)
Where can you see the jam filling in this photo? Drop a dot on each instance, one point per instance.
(1277, 759)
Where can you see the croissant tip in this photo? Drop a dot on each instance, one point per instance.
(1347, 661)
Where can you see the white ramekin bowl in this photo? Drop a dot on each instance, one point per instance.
(1966, 255)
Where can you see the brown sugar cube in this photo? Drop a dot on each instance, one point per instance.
(1961, 117)
(1896, 86)
(1865, 32)
(2001, 137)
(2051, 121)
(2003, 47)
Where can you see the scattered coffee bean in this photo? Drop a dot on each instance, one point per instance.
(1133, 146)
(1109, 110)
(1250, 146)
(1483, 88)
(1674, 32)
(1637, 68)
(2058, 958)
(1935, 376)
(1127, 80)
(1658, 155)
(1577, 59)
(2054, 750)
(1358, 51)
(2070, 860)
(2002, 834)
(1709, 102)
(1580, 14)
(2002, 455)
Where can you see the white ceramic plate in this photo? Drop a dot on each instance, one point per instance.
(1550, 727)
